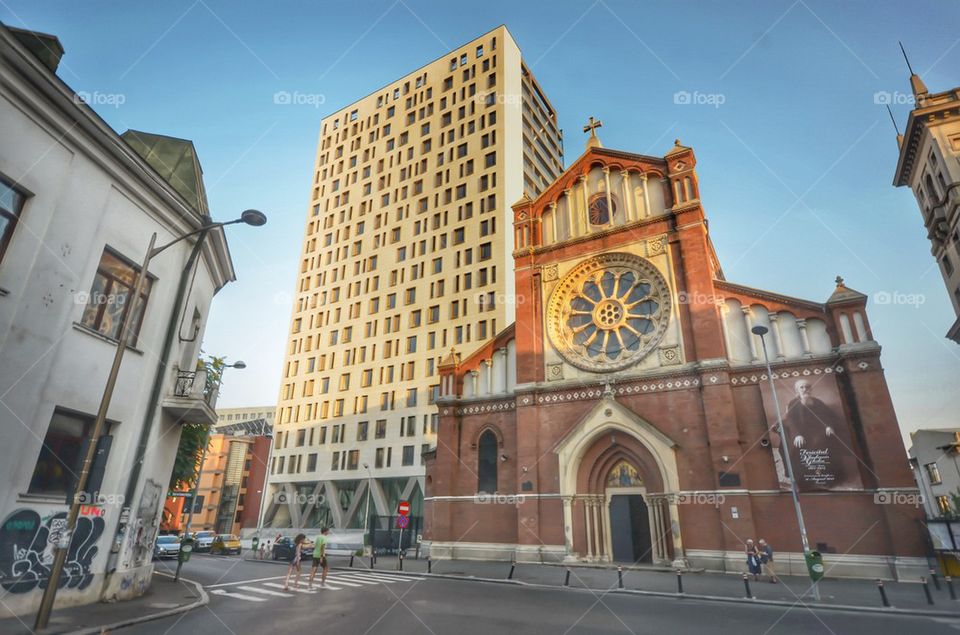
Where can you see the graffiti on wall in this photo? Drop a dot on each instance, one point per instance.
(143, 531)
(27, 544)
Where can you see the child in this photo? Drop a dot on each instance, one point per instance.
(294, 563)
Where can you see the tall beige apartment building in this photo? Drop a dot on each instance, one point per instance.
(407, 253)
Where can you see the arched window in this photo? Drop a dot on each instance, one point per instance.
(487, 463)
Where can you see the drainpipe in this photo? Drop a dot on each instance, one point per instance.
(153, 402)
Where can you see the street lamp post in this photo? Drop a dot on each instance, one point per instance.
(249, 217)
(366, 511)
(239, 365)
(761, 331)
(266, 481)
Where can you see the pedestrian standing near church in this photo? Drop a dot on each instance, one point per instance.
(294, 563)
(320, 558)
(766, 559)
(753, 560)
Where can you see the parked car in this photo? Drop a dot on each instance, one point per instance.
(203, 540)
(283, 549)
(225, 543)
(166, 547)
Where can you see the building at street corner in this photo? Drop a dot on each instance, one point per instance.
(929, 164)
(231, 478)
(627, 415)
(78, 205)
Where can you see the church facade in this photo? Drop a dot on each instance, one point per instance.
(627, 415)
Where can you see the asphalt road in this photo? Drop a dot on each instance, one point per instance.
(247, 597)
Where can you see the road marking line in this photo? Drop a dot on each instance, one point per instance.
(391, 578)
(214, 586)
(314, 590)
(341, 581)
(256, 589)
(239, 596)
(359, 580)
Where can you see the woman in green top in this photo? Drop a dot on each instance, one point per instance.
(320, 558)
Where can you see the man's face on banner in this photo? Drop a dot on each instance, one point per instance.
(804, 391)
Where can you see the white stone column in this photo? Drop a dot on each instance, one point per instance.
(647, 212)
(587, 504)
(777, 335)
(628, 214)
(585, 216)
(553, 222)
(500, 370)
(724, 312)
(679, 558)
(606, 180)
(474, 382)
(571, 214)
(594, 509)
(804, 338)
(748, 315)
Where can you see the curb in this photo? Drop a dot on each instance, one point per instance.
(848, 608)
(203, 600)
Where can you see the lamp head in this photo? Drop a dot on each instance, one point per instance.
(238, 365)
(760, 330)
(254, 218)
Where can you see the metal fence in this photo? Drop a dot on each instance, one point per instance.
(385, 534)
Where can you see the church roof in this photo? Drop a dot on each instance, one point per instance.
(843, 293)
(175, 160)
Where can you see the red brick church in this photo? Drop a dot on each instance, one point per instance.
(627, 416)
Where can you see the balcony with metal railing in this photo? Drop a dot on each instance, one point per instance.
(193, 398)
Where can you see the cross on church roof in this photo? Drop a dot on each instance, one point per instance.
(593, 140)
(592, 126)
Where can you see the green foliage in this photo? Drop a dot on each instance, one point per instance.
(186, 466)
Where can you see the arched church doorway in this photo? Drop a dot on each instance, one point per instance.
(630, 529)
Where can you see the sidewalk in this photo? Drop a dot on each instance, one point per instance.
(164, 598)
(791, 589)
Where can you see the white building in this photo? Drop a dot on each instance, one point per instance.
(407, 252)
(935, 459)
(929, 164)
(78, 205)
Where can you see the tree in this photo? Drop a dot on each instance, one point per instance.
(186, 466)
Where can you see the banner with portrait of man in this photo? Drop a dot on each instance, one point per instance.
(818, 436)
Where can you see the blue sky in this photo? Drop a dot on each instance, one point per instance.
(795, 164)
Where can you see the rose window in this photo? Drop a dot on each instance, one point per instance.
(608, 312)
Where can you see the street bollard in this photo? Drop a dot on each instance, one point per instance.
(679, 582)
(746, 585)
(372, 561)
(566, 581)
(400, 561)
(926, 590)
(953, 592)
(883, 594)
(429, 565)
(513, 566)
(351, 560)
(936, 580)
(620, 577)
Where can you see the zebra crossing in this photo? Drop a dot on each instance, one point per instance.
(271, 589)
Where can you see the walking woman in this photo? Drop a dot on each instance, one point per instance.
(753, 560)
(294, 563)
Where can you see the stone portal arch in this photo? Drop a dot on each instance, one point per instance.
(611, 435)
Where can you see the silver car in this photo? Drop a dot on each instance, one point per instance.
(166, 547)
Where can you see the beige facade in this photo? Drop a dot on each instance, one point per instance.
(929, 164)
(407, 253)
